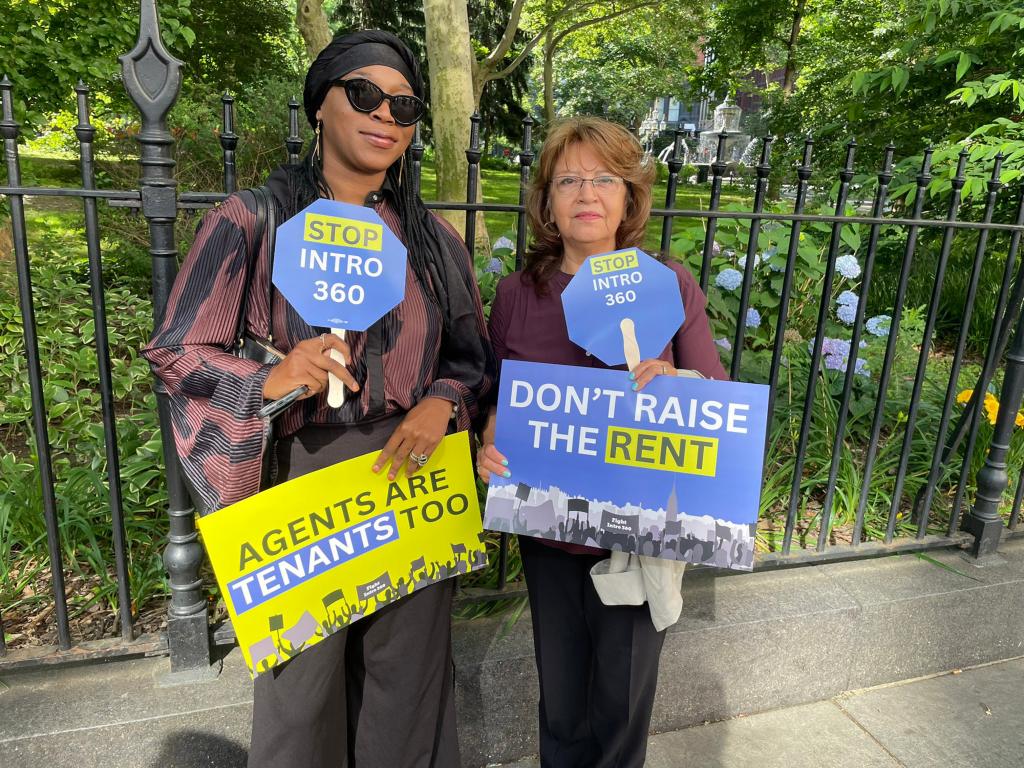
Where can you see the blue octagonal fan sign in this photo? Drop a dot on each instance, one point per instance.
(339, 265)
(622, 285)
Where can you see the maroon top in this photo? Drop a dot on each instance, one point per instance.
(527, 326)
(215, 397)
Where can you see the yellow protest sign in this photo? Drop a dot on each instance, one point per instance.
(306, 558)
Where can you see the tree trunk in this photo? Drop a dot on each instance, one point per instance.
(789, 74)
(549, 82)
(313, 26)
(452, 97)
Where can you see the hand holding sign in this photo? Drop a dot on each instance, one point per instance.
(341, 267)
(617, 287)
(304, 371)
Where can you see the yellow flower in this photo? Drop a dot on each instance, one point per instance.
(991, 407)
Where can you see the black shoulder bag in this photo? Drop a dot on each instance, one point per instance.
(247, 345)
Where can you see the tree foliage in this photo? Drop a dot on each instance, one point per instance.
(917, 73)
(48, 47)
(500, 108)
(616, 69)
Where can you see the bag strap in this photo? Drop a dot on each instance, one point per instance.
(270, 222)
(262, 208)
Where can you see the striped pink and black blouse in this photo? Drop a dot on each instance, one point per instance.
(215, 397)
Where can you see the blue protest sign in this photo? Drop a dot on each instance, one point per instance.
(339, 265)
(672, 471)
(618, 286)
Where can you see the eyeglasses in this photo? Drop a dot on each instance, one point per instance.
(569, 185)
(366, 96)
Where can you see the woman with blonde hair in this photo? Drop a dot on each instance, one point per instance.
(597, 664)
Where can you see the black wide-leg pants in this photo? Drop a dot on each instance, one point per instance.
(597, 664)
(377, 694)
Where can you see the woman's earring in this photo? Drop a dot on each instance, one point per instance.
(401, 170)
(316, 141)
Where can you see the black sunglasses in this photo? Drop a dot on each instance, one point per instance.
(366, 96)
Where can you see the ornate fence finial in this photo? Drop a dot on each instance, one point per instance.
(151, 75)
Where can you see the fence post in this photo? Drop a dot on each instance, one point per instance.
(472, 181)
(152, 78)
(984, 521)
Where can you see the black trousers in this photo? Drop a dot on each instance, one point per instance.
(597, 665)
(377, 694)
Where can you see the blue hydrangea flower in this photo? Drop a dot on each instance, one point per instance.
(835, 362)
(758, 258)
(729, 279)
(503, 243)
(836, 356)
(879, 325)
(848, 297)
(848, 266)
(724, 343)
(753, 318)
(847, 313)
(830, 346)
(494, 266)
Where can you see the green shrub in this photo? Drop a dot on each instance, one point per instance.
(67, 351)
(727, 268)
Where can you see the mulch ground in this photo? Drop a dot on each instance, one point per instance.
(33, 620)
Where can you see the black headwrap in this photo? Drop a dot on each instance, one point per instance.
(465, 355)
(349, 52)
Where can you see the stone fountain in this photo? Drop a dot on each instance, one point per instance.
(738, 145)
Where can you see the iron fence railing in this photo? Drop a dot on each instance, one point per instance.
(152, 78)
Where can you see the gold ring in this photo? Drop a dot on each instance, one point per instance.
(664, 370)
(323, 341)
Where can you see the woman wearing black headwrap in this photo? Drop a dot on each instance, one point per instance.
(379, 693)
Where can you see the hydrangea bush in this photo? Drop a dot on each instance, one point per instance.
(766, 275)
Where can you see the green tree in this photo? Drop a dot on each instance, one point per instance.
(48, 47)
(748, 35)
(969, 58)
(615, 70)
(500, 105)
(229, 55)
(916, 73)
(85, 37)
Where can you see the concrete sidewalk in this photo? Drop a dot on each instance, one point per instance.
(117, 714)
(766, 657)
(971, 719)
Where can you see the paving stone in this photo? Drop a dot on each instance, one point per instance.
(42, 700)
(213, 738)
(937, 633)
(971, 720)
(808, 736)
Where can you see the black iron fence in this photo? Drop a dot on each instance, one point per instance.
(152, 78)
